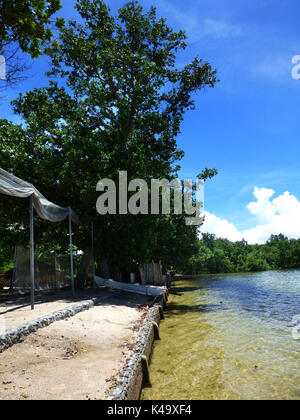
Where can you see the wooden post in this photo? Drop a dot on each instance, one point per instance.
(55, 269)
(14, 273)
(146, 371)
(156, 331)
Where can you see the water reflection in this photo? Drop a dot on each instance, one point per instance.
(177, 309)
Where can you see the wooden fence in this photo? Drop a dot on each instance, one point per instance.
(151, 275)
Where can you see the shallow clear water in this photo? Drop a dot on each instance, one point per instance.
(229, 337)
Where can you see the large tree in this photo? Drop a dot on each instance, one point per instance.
(117, 104)
(25, 26)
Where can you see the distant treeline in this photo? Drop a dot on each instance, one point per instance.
(217, 255)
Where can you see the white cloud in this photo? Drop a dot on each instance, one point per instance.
(198, 26)
(219, 29)
(220, 227)
(276, 67)
(274, 216)
(262, 208)
(212, 28)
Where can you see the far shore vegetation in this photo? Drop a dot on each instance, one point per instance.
(217, 255)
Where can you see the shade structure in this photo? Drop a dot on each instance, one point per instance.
(16, 187)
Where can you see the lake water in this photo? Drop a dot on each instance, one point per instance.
(229, 337)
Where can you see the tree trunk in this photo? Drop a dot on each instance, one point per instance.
(83, 269)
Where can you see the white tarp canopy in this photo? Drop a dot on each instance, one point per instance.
(16, 187)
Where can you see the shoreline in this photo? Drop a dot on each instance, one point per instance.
(134, 375)
(79, 357)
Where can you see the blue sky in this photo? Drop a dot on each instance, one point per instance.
(247, 126)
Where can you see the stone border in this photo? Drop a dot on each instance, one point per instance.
(134, 374)
(18, 334)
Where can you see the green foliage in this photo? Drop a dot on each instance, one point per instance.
(27, 23)
(207, 174)
(5, 265)
(217, 255)
(255, 261)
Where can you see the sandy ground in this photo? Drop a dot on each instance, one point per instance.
(75, 358)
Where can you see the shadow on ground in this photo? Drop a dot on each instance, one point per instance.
(14, 303)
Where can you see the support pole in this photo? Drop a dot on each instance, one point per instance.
(14, 273)
(31, 253)
(93, 255)
(71, 252)
(55, 268)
